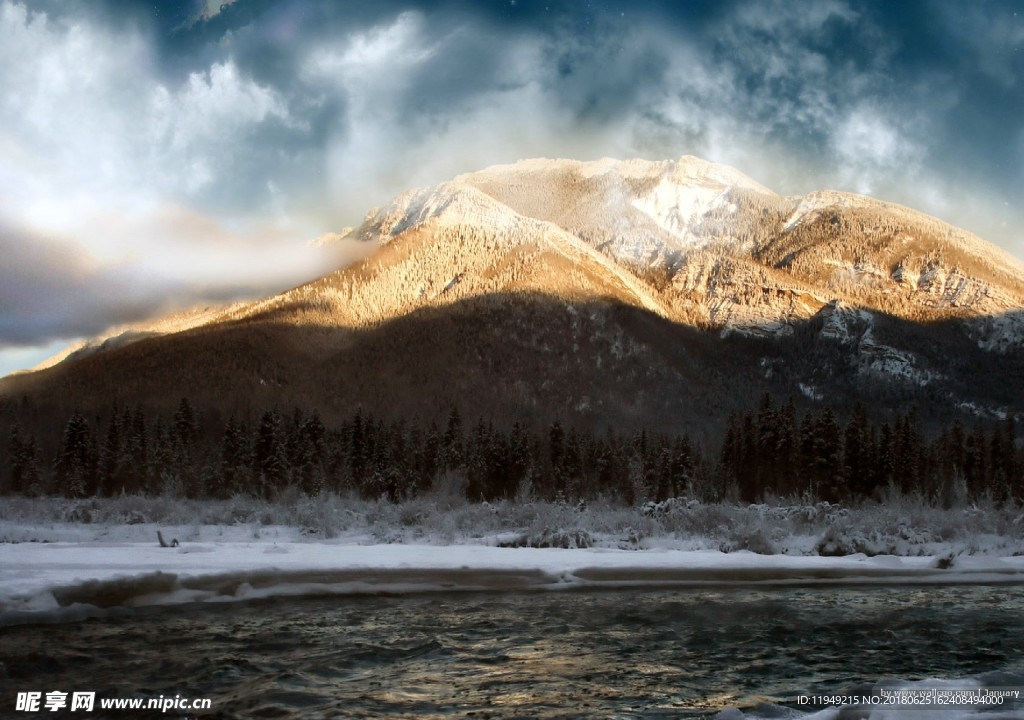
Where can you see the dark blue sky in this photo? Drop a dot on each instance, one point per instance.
(160, 152)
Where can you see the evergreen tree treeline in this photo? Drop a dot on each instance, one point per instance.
(769, 450)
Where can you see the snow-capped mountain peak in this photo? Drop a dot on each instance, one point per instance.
(544, 278)
(636, 211)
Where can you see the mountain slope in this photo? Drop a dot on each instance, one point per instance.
(628, 292)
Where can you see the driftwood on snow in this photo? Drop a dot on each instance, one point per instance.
(163, 543)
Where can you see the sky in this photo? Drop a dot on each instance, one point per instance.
(160, 155)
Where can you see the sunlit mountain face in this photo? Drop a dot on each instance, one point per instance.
(635, 293)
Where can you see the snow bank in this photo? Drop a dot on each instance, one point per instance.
(68, 581)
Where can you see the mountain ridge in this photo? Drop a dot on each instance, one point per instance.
(608, 251)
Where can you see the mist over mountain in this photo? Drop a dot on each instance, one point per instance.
(624, 293)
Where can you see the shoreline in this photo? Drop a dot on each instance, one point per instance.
(70, 581)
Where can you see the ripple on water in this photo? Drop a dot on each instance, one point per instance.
(650, 654)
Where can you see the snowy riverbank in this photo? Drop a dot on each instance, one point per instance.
(899, 525)
(62, 559)
(73, 580)
(61, 581)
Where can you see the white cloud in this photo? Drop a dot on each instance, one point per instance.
(198, 127)
(869, 145)
(768, 101)
(98, 151)
(61, 116)
(89, 127)
(377, 149)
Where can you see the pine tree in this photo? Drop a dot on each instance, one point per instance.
(768, 444)
(572, 470)
(1002, 449)
(235, 456)
(884, 465)
(269, 461)
(828, 458)
(807, 455)
(357, 450)
(730, 455)
(23, 457)
(186, 424)
(385, 477)
(431, 460)
(476, 462)
(111, 460)
(683, 466)
(908, 453)
(1013, 459)
(612, 466)
(552, 479)
(184, 434)
(976, 461)
(137, 447)
(311, 464)
(786, 450)
(293, 438)
(452, 446)
(857, 453)
(161, 461)
(665, 485)
(518, 462)
(75, 466)
(14, 444)
(749, 476)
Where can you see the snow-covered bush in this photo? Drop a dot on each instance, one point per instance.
(901, 525)
(755, 538)
(551, 539)
(320, 515)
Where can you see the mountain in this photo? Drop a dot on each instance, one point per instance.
(612, 292)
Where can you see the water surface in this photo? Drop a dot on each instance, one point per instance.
(625, 654)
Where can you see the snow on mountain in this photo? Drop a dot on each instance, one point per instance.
(675, 207)
(692, 245)
(637, 211)
(699, 222)
(451, 204)
(811, 205)
(639, 214)
(684, 192)
(843, 323)
(855, 328)
(1001, 333)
